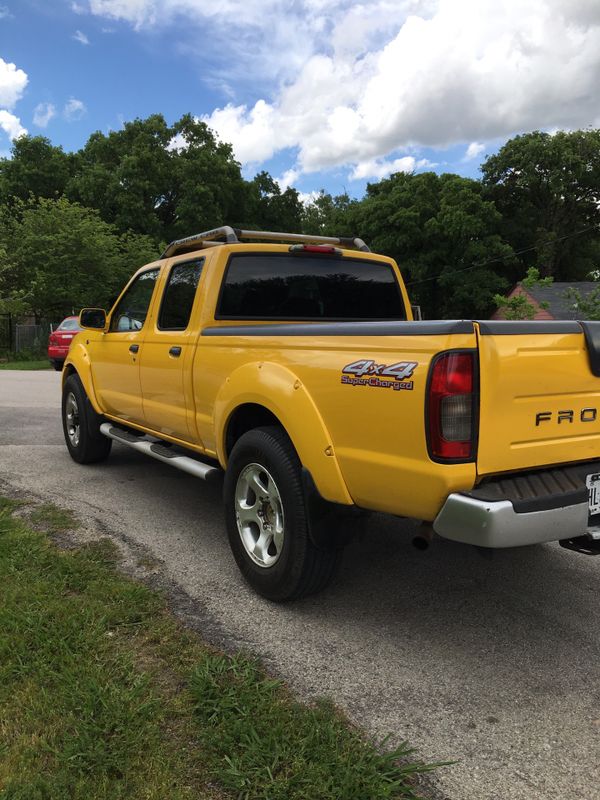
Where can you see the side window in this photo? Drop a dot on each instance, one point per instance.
(130, 313)
(179, 296)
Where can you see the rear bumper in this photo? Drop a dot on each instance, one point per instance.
(496, 523)
(58, 352)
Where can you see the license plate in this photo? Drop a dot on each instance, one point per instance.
(593, 484)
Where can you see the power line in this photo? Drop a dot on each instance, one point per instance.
(504, 258)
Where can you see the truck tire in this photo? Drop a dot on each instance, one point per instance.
(81, 425)
(267, 521)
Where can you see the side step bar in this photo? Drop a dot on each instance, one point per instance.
(160, 451)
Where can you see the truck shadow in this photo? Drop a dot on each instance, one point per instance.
(526, 615)
(523, 610)
(487, 661)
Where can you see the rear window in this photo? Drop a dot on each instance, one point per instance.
(69, 325)
(286, 287)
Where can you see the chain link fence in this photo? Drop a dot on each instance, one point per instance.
(31, 337)
(22, 337)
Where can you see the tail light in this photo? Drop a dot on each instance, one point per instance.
(53, 339)
(452, 407)
(323, 249)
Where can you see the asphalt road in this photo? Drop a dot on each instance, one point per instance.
(492, 663)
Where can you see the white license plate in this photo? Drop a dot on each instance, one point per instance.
(593, 484)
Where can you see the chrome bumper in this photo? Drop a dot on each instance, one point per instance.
(496, 524)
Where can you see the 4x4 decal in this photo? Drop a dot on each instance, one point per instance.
(366, 372)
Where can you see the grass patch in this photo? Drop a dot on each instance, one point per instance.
(104, 695)
(40, 364)
(265, 745)
(51, 519)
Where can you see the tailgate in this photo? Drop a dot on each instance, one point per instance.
(540, 398)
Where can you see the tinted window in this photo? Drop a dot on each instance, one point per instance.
(309, 287)
(132, 308)
(179, 296)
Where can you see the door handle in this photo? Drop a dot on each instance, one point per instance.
(133, 348)
(175, 351)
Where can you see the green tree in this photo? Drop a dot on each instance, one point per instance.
(207, 188)
(62, 257)
(36, 168)
(269, 209)
(546, 188)
(518, 306)
(160, 180)
(329, 216)
(445, 237)
(127, 176)
(587, 306)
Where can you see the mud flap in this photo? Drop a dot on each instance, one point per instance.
(331, 526)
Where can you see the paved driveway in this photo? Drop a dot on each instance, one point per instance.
(493, 663)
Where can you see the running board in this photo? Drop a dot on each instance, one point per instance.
(160, 451)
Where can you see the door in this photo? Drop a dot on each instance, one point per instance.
(115, 356)
(166, 361)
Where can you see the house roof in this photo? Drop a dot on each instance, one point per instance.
(560, 306)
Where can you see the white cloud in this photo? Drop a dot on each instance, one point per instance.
(473, 150)
(307, 198)
(43, 113)
(80, 37)
(288, 179)
(349, 83)
(252, 130)
(5, 13)
(74, 110)
(375, 168)
(12, 83)
(11, 125)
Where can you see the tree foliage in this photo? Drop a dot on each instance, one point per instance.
(587, 305)
(445, 237)
(330, 216)
(547, 189)
(270, 209)
(86, 220)
(62, 256)
(518, 306)
(37, 169)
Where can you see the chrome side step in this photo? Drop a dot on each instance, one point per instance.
(160, 451)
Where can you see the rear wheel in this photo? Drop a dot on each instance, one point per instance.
(81, 425)
(266, 518)
(58, 365)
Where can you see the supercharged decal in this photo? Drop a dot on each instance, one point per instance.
(366, 372)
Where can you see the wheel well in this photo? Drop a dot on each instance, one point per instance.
(69, 370)
(244, 419)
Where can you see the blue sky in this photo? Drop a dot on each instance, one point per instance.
(321, 93)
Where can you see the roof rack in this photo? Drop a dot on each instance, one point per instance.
(228, 235)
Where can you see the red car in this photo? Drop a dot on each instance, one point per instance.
(60, 341)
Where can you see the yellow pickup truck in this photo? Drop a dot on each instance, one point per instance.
(292, 364)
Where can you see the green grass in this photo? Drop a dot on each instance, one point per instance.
(265, 745)
(40, 364)
(104, 695)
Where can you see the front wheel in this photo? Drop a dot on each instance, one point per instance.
(267, 521)
(81, 425)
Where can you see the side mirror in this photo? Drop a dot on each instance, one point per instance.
(93, 318)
